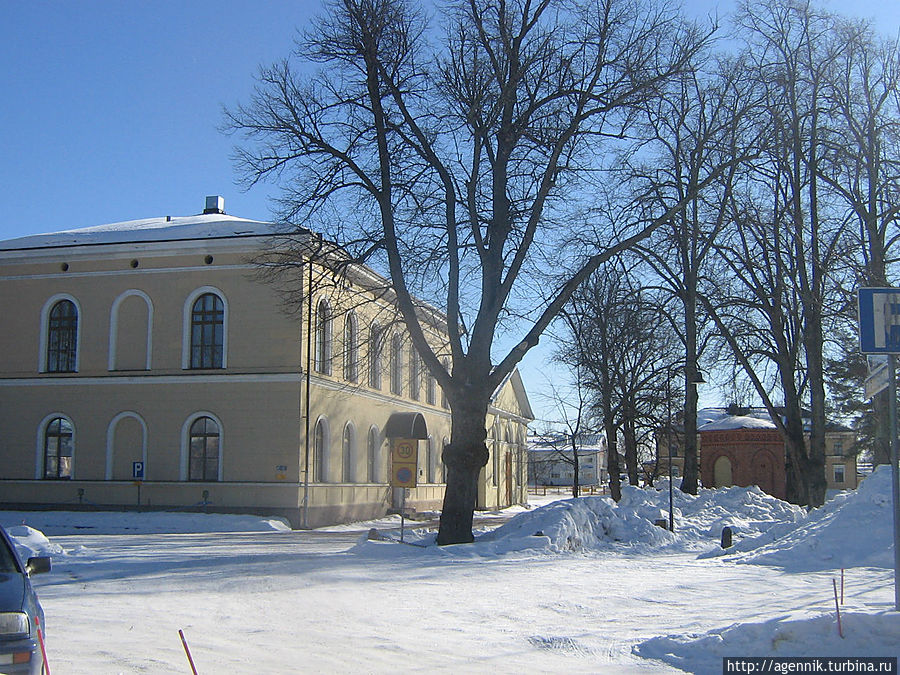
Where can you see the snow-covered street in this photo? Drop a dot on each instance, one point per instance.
(277, 601)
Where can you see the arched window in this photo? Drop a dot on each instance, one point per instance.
(207, 332)
(396, 365)
(376, 338)
(351, 348)
(203, 461)
(414, 374)
(493, 444)
(321, 451)
(323, 338)
(372, 456)
(62, 337)
(444, 402)
(59, 448)
(348, 455)
(431, 390)
(430, 458)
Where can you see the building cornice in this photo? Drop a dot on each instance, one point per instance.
(149, 379)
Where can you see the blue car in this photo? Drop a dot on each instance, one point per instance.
(20, 651)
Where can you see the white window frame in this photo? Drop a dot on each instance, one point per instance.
(321, 463)
(186, 329)
(348, 454)
(45, 330)
(186, 445)
(41, 439)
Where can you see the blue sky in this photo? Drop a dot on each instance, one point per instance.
(109, 109)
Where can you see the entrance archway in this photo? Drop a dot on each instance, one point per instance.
(722, 472)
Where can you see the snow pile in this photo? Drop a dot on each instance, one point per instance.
(699, 519)
(855, 529)
(594, 523)
(577, 525)
(125, 522)
(31, 543)
(598, 522)
(864, 635)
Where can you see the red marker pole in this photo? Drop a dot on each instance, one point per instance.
(187, 651)
(837, 608)
(37, 622)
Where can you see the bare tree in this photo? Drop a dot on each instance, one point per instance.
(618, 341)
(573, 422)
(786, 242)
(463, 156)
(861, 165)
(705, 117)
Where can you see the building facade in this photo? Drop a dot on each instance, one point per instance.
(148, 364)
(551, 461)
(744, 447)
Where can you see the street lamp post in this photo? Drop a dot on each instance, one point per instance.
(693, 378)
(669, 442)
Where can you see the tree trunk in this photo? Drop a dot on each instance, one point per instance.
(631, 454)
(576, 485)
(465, 456)
(612, 463)
(881, 448)
(818, 484)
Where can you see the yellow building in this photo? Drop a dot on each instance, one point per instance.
(148, 364)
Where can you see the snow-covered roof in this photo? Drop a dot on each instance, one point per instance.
(720, 419)
(738, 422)
(166, 228)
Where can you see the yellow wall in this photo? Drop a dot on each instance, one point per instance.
(133, 315)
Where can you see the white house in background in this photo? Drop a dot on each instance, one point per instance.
(551, 460)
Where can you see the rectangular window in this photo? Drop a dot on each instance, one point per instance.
(838, 473)
(430, 391)
(838, 448)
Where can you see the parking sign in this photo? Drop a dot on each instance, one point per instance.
(879, 320)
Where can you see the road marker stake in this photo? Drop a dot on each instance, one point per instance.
(187, 651)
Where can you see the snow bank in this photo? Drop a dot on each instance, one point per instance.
(864, 635)
(855, 529)
(577, 525)
(114, 522)
(596, 523)
(699, 519)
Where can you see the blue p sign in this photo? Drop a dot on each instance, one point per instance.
(137, 470)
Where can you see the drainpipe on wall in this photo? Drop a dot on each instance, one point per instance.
(306, 412)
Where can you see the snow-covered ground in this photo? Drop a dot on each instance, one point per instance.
(576, 586)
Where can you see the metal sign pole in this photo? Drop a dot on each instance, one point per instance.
(895, 478)
(402, 512)
(879, 333)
